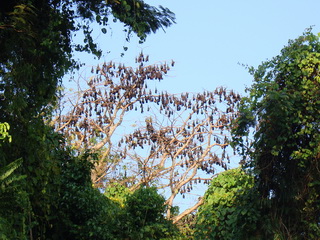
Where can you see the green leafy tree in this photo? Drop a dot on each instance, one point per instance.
(14, 203)
(283, 105)
(37, 48)
(13, 200)
(230, 208)
(143, 216)
(83, 212)
(36, 51)
(140, 213)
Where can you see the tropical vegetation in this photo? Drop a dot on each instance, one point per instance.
(66, 176)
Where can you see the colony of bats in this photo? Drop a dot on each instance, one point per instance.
(176, 142)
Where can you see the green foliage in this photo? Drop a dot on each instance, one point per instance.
(117, 193)
(6, 173)
(284, 107)
(84, 213)
(33, 59)
(37, 48)
(36, 52)
(141, 17)
(230, 209)
(13, 200)
(14, 207)
(140, 214)
(4, 128)
(143, 216)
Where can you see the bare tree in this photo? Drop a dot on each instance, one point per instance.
(176, 143)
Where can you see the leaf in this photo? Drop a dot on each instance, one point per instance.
(7, 170)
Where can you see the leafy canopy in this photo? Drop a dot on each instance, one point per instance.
(229, 210)
(36, 40)
(284, 108)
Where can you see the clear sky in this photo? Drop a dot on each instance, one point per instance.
(212, 37)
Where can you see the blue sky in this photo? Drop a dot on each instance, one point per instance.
(212, 37)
